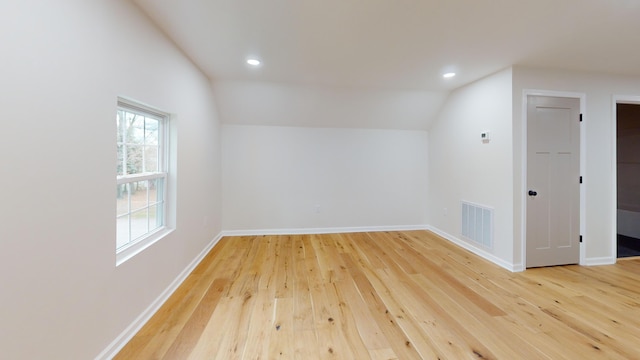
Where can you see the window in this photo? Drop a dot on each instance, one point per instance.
(141, 175)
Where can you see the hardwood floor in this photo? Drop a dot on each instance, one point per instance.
(389, 295)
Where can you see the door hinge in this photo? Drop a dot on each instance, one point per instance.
(580, 117)
(580, 238)
(580, 179)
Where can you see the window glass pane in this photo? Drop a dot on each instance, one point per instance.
(120, 124)
(152, 131)
(120, 165)
(122, 231)
(122, 199)
(135, 131)
(151, 158)
(139, 223)
(155, 191)
(138, 191)
(129, 116)
(134, 159)
(155, 217)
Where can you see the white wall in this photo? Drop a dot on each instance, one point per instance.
(261, 103)
(462, 167)
(599, 173)
(63, 65)
(273, 178)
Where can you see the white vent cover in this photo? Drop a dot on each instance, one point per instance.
(477, 224)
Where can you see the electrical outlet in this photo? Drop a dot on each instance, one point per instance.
(445, 211)
(317, 209)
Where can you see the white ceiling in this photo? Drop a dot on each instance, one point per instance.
(387, 46)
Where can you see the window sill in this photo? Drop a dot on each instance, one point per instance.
(134, 249)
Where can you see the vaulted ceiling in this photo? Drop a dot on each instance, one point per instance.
(379, 63)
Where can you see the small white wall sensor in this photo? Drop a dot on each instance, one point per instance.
(485, 136)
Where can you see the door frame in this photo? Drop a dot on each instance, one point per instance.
(616, 99)
(523, 186)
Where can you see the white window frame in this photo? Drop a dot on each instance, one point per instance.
(136, 245)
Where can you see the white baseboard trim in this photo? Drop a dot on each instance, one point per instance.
(304, 231)
(480, 252)
(333, 230)
(599, 261)
(518, 268)
(128, 333)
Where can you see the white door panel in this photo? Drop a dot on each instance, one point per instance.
(553, 170)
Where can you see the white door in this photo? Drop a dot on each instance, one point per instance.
(553, 181)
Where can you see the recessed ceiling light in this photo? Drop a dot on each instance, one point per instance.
(253, 62)
(449, 75)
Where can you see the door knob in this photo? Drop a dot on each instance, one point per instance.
(533, 193)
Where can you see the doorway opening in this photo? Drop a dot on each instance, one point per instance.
(628, 179)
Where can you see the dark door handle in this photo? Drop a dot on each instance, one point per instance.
(533, 193)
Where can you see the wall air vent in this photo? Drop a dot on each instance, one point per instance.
(477, 224)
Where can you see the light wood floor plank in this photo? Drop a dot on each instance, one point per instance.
(261, 326)
(282, 334)
(408, 342)
(389, 295)
(188, 337)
